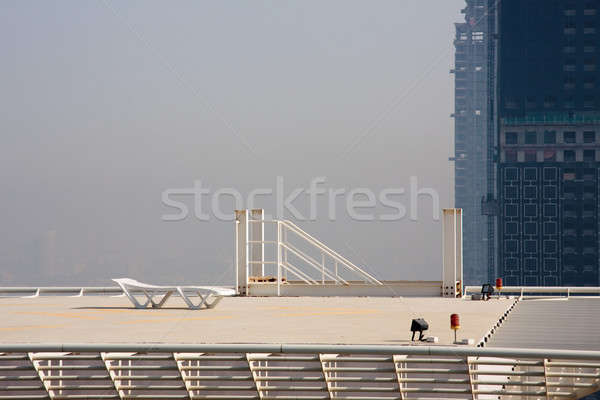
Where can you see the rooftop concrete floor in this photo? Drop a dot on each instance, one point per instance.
(310, 320)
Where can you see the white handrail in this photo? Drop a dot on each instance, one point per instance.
(296, 271)
(312, 262)
(345, 262)
(538, 289)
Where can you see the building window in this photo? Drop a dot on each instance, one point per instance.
(511, 246)
(531, 265)
(530, 174)
(510, 155)
(550, 228)
(569, 66)
(511, 104)
(511, 192)
(511, 210)
(530, 156)
(569, 102)
(569, 174)
(530, 192)
(589, 174)
(549, 155)
(569, 83)
(530, 228)
(569, 28)
(530, 210)
(512, 263)
(589, 155)
(589, 82)
(589, 9)
(549, 266)
(549, 102)
(569, 156)
(511, 174)
(477, 36)
(589, 65)
(531, 138)
(530, 102)
(549, 246)
(589, 137)
(549, 137)
(512, 228)
(549, 192)
(589, 27)
(570, 12)
(549, 174)
(511, 138)
(550, 210)
(530, 246)
(569, 137)
(588, 102)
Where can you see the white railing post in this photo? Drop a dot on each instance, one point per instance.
(241, 251)
(278, 226)
(323, 268)
(336, 272)
(284, 250)
(257, 246)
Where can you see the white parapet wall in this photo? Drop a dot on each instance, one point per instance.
(387, 289)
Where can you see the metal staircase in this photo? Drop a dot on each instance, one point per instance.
(279, 252)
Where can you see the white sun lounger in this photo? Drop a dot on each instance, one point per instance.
(210, 296)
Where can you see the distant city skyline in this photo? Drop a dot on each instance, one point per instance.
(106, 104)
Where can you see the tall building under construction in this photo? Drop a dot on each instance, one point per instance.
(475, 138)
(539, 79)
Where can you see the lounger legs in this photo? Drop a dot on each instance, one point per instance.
(208, 300)
(204, 300)
(149, 298)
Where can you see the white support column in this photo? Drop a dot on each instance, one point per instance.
(260, 385)
(113, 376)
(279, 228)
(257, 250)
(452, 270)
(400, 364)
(322, 268)
(471, 369)
(284, 253)
(326, 376)
(241, 252)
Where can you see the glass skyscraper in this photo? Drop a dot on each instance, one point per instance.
(548, 101)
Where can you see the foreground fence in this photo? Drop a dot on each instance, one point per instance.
(293, 372)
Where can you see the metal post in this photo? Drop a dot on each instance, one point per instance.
(257, 250)
(452, 275)
(323, 268)
(241, 261)
(284, 250)
(278, 258)
(336, 272)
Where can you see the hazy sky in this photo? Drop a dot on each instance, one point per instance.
(106, 104)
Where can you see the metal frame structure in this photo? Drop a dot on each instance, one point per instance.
(280, 371)
(523, 290)
(330, 267)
